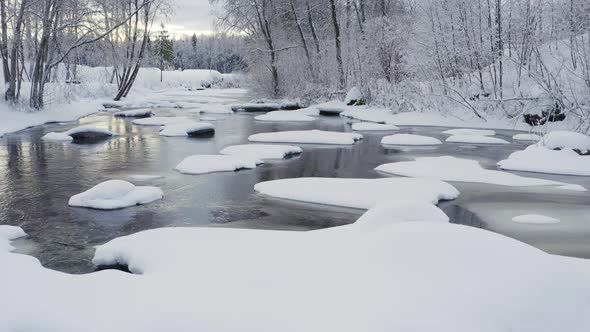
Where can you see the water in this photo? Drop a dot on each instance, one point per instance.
(37, 178)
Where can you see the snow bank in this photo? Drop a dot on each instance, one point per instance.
(542, 160)
(526, 137)
(562, 140)
(192, 129)
(409, 139)
(475, 139)
(358, 193)
(307, 137)
(201, 164)
(261, 151)
(162, 121)
(367, 114)
(535, 219)
(138, 113)
(448, 168)
(288, 116)
(115, 194)
(368, 126)
(478, 132)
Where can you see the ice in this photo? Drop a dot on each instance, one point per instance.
(369, 126)
(475, 139)
(535, 219)
(409, 139)
(561, 140)
(307, 137)
(162, 121)
(357, 193)
(187, 129)
(542, 160)
(449, 168)
(201, 164)
(526, 137)
(287, 116)
(138, 113)
(478, 132)
(261, 151)
(115, 194)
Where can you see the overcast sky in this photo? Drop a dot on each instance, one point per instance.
(190, 16)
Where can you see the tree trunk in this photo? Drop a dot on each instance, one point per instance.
(340, 66)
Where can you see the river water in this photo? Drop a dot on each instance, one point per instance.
(37, 178)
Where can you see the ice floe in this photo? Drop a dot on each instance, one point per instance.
(261, 151)
(206, 163)
(409, 139)
(535, 219)
(287, 116)
(543, 160)
(475, 139)
(115, 194)
(307, 137)
(193, 129)
(526, 137)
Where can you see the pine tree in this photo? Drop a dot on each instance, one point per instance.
(164, 50)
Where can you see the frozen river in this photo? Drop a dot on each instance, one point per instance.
(37, 178)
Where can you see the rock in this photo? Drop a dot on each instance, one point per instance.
(139, 113)
(354, 97)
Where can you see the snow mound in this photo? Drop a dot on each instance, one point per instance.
(115, 194)
(261, 151)
(386, 212)
(409, 139)
(334, 107)
(535, 219)
(82, 133)
(478, 132)
(7, 234)
(60, 137)
(201, 164)
(368, 126)
(526, 137)
(138, 113)
(288, 116)
(357, 193)
(448, 168)
(307, 137)
(475, 139)
(311, 111)
(561, 140)
(162, 121)
(573, 187)
(354, 97)
(542, 160)
(192, 129)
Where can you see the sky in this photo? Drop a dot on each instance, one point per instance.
(190, 16)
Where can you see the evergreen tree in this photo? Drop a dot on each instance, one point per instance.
(164, 50)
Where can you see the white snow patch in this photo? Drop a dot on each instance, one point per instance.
(478, 132)
(7, 234)
(334, 106)
(542, 160)
(261, 151)
(535, 219)
(115, 194)
(409, 139)
(185, 129)
(287, 116)
(162, 120)
(60, 137)
(307, 137)
(386, 212)
(69, 135)
(561, 139)
(573, 187)
(364, 113)
(475, 139)
(213, 109)
(204, 163)
(449, 168)
(369, 126)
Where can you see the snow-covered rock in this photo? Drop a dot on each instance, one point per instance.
(370, 126)
(561, 140)
(475, 139)
(287, 116)
(256, 107)
(307, 137)
(526, 137)
(409, 139)
(376, 115)
(334, 107)
(80, 134)
(358, 193)
(449, 168)
(162, 121)
(115, 194)
(478, 132)
(59, 137)
(543, 160)
(354, 97)
(261, 151)
(138, 113)
(192, 129)
(535, 219)
(201, 164)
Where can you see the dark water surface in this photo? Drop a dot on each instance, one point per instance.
(37, 178)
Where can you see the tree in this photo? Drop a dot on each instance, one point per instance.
(163, 50)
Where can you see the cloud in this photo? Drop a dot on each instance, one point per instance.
(190, 16)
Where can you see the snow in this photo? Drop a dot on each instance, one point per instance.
(368, 126)
(475, 139)
(409, 139)
(353, 95)
(535, 219)
(561, 140)
(7, 234)
(526, 137)
(307, 137)
(161, 120)
(201, 164)
(573, 187)
(357, 193)
(208, 118)
(261, 151)
(311, 111)
(543, 160)
(81, 132)
(255, 107)
(187, 129)
(364, 113)
(478, 132)
(387, 212)
(115, 194)
(332, 107)
(449, 168)
(138, 113)
(285, 116)
(59, 137)
(212, 108)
